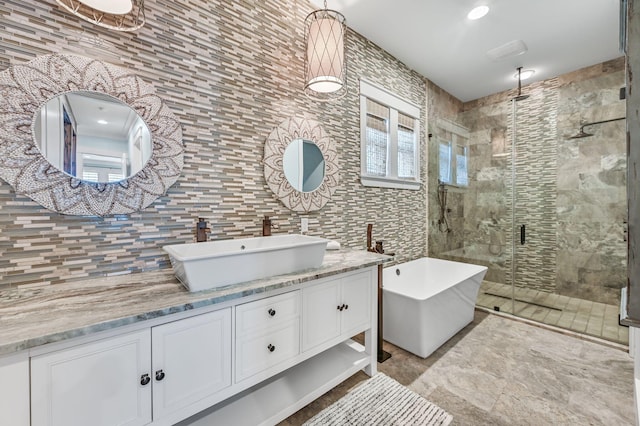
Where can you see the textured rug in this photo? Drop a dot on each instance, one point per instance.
(381, 401)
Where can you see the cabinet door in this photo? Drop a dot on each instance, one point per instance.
(191, 360)
(14, 390)
(98, 383)
(356, 296)
(320, 314)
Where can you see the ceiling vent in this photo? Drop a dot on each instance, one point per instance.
(507, 50)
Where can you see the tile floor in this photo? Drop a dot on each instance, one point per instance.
(582, 316)
(502, 371)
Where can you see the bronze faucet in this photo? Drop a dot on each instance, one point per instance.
(378, 247)
(202, 230)
(266, 226)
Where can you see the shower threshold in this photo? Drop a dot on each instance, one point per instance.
(530, 302)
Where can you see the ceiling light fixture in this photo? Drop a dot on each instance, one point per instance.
(119, 15)
(524, 74)
(102, 122)
(325, 65)
(478, 12)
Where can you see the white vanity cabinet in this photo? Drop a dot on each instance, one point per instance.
(251, 360)
(114, 381)
(106, 382)
(336, 307)
(14, 390)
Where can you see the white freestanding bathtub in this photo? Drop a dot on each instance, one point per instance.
(427, 301)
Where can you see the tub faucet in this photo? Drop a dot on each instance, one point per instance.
(202, 230)
(267, 226)
(378, 247)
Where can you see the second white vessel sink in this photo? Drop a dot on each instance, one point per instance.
(212, 264)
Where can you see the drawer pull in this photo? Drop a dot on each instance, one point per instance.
(271, 347)
(272, 312)
(340, 307)
(145, 379)
(159, 375)
(346, 307)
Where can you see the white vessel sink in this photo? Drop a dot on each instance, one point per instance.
(212, 264)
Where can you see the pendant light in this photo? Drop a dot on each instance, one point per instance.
(325, 66)
(118, 15)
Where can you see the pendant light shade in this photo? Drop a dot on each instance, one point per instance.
(325, 66)
(118, 15)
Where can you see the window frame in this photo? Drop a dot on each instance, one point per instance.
(396, 105)
(459, 139)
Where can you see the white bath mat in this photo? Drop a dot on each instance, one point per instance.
(381, 401)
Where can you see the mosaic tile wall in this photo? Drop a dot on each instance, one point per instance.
(231, 71)
(570, 193)
(536, 166)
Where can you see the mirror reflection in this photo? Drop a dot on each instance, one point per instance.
(92, 136)
(303, 165)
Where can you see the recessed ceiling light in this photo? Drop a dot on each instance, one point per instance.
(478, 12)
(525, 74)
(102, 122)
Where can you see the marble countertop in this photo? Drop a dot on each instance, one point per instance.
(34, 316)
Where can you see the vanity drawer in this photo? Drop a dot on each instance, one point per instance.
(267, 313)
(258, 352)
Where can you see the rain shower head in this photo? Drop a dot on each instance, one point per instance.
(582, 134)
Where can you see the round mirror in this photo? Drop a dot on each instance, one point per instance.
(303, 165)
(92, 136)
(129, 172)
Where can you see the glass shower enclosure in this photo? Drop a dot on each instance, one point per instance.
(532, 190)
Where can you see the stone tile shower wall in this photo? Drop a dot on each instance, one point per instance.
(442, 106)
(591, 182)
(231, 71)
(570, 193)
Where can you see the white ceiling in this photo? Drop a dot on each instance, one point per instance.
(89, 107)
(435, 38)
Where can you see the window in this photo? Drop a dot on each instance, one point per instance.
(453, 154)
(389, 129)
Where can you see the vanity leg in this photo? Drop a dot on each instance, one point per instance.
(371, 335)
(382, 354)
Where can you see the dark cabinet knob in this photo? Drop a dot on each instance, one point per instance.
(159, 375)
(271, 347)
(346, 307)
(340, 307)
(145, 379)
(272, 312)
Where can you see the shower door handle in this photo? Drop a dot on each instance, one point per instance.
(522, 235)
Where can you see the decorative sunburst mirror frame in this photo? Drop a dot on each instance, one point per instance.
(277, 142)
(25, 88)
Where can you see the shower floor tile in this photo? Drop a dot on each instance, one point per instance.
(582, 316)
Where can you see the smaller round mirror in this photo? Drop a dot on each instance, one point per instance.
(303, 165)
(92, 136)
